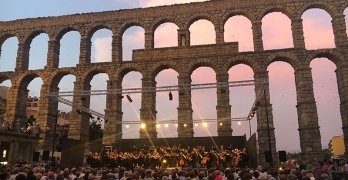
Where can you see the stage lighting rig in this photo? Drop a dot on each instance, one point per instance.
(129, 98)
(170, 96)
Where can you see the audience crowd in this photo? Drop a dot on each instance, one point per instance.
(323, 170)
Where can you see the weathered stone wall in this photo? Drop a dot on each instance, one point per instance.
(183, 59)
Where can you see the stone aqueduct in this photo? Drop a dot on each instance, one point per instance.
(184, 59)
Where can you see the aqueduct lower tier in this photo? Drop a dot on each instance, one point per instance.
(184, 59)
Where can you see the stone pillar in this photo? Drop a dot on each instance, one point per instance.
(310, 139)
(219, 39)
(113, 130)
(117, 48)
(79, 123)
(22, 60)
(53, 54)
(183, 37)
(342, 81)
(17, 104)
(85, 50)
(339, 30)
(265, 132)
(297, 33)
(47, 117)
(223, 107)
(148, 110)
(257, 35)
(149, 39)
(185, 109)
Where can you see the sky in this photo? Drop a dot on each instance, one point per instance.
(276, 35)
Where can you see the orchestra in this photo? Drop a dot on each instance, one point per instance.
(175, 156)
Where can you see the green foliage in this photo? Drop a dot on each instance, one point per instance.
(95, 132)
(30, 120)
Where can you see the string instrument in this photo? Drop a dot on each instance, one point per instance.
(181, 162)
(204, 160)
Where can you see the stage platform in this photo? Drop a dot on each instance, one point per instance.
(127, 145)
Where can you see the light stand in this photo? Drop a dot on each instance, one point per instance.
(54, 142)
(268, 130)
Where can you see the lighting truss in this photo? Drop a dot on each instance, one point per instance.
(158, 89)
(59, 97)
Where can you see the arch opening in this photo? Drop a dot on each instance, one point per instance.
(131, 110)
(276, 31)
(5, 86)
(166, 108)
(346, 18)
(133, 38)
(101, 46)
(69, 49)
(200, 37)
(66, 83)
(166, 35)
(283, 98)
(204, 102)
(241, 100)
(32, 97)
(38, 52)
(239, 29)
(327, 99)
(317, 23)
(8, 54)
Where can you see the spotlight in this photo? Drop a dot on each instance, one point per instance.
(107, 121)
(176, 125)
(196, 124)
(170, 96)
(129, 98)
(83, 98)
(120, 97)
(239, 123)
(166, 125)
(78, 111)
(127, 126)
(143, 126)
(220, 124)
(158, 125)
(205, 124)
(185, 125)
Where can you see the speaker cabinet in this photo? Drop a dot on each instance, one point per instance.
(36, 156)
(45, 155)
(282, 156)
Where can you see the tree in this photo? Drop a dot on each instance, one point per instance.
(30, 121)
(95, 132)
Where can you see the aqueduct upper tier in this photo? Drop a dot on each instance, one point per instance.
(183, 59)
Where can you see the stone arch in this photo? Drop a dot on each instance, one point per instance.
(88, 75)
(129, 24)
(207, 17)
(33, 34)
(64, 30)
(242, 12)
(287, 57)
(160, 66)
(343, 7)
(6, 36)
(58, 74)
(97, 27)
(161, 21)
(276, 8)
(203, 62)
(5, 77)
(335, 56)
(24, 79)
(241, 59)
(318, 4)
(126, 68)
